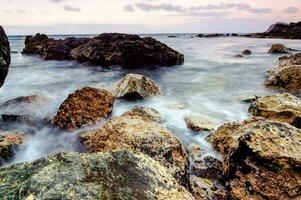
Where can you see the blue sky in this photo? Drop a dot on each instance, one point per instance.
(144, 16)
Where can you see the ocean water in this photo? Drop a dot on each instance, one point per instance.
(211, 83)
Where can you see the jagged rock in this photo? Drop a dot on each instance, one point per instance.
(197, 124)
(287, 76)
(208, 168)
(135, 86)
(113, 175)
(247, 52)
(261, 159)
(279, 48)
(7, 144)
(280, 107)
(83, 107)
(138, 133)
(4, 56)
(106, 49)
(249, 99)
(145, 112)
(205, 189)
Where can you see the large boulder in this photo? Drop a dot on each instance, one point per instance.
(287, 76)
(139, 133)
(280, 107)
(114, 175)
(84, 107)
(135, 86)
(278, 48)
(261, 159)
(106, 49)
(8, 142)
(4, 56)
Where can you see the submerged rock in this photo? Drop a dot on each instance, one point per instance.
(135, 86)
(280, 107)
(238, 56)
(197, 124)
(279, 48)
(83, 107)
(7, 144)
(24, 100)
(202, 189)
(287, 76)
(105, 49)
(261, 159)
(4, 56)
(112, 175)
(139, 133)
(247, 52)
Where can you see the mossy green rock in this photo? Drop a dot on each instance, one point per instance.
(113, 175)
(4, 56)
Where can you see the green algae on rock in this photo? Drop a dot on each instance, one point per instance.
(118, 175)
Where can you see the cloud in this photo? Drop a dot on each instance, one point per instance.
(71, 9)
(56, 1)
(291, 10)
(163, 6)
(129, 8)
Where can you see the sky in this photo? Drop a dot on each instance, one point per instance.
(20, 17)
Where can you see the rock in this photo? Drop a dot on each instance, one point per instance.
(135, 132)
(83, 107)
(238, 56)
(195, 151)
(20, 119)
(4, 56)
(202, 189)
(211, 35)
(247, 52)
(25, 100)
(249, 99)
(105, 49)
(261, 159)
(287, 75)
(197, 124)
(172, 36)
(134, 86)
(208, 168)
(112, 175)
(146, 113)
(279, 48)
(280, 107)
(7, 144)
(280, 30)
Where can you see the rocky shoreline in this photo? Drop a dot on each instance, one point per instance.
(134, 156)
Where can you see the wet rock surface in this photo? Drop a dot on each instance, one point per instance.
(197, 123)
(247, 52)
(136, 132)
(84, 107)
(208, 168)
(8, 142)
(112, 175)
(280, 107)
(105, 49)
(4, 56)
(261, 159)
(279, 49)
(135, 87)
(287, 76)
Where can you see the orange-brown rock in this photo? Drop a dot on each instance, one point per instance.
(280, 107)
(279, 48)
(141, 134)
(261, 159)
(85, 106)
(7, 143)
(135, 86)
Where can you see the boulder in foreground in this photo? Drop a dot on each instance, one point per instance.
(84, 107)
(7, 144)
(113, 175)
(261, 159)
(105, 49)
(280, 107)
(140, 133)
(135, 87)
(4, 56)
(287, 76)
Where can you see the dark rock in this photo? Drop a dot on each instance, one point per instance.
(112, 175)
(247, 52)
(4, 56)
(106, 49)
(208, 168)
(238, 56)
(279, 49)
(25, 100)
(84, 107)
(211, 35)
(20, 119)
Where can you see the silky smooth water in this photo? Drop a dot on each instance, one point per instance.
(211, 83)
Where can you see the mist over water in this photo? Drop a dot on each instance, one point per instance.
(211, 83)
